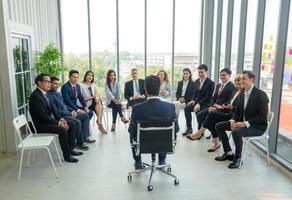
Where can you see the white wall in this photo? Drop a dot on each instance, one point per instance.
(39, 18)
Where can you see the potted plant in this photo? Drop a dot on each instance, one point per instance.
(49, 61)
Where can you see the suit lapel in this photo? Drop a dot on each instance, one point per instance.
(250, 99)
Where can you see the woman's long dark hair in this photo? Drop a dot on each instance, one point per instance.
(88, 72)
(190, 72)
(108, 74)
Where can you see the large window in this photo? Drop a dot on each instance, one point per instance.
(284, 147)
(103, 39)
(131, 32)
(250, 34)
(22, 71)
(75, 35)
(235, 35)
(223, 33)
(214, 40)
(269, 46)
(187, 37)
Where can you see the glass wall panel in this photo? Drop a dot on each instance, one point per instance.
(284, 147)
(103, 39)
(187, 36)
(250, 34)
(131, 32)
(75, 35)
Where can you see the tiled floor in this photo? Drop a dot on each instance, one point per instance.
(102, 174)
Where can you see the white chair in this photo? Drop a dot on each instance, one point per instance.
(265, 136)
(36, 134)
(32, 142)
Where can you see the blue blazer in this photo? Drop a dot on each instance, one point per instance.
(69, 99)
(58, 104)
(225, 95)
(152, 110)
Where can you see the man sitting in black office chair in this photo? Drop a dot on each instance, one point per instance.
(152, 110)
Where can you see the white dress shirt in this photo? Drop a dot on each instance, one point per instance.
(246, 97)
(136, 88)
(184, 88)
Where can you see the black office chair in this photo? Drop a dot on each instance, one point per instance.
(153, 138)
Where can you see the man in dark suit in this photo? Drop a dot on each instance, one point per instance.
(204, 88)
(221, 96)
(58, 106)
(153, 110)
(134, 89)
(249, 119)
(46, 121)
(71, 93)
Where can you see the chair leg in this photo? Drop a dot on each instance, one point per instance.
(56, 173)
(268, 151)
(57, 151)
(167, 173)
(20, 165)
(243, 154)
(33, 155)
(28, 158)
(151, 174)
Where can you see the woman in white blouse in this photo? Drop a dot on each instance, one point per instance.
(165, 87)
(112, 91)
(94, 103)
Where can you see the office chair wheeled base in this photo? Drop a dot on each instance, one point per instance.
(153, 168)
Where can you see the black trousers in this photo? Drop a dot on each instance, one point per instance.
(115, 110)
(200, 115)
(76, 123)
(237, 135)
(64, 136)
(213, 118)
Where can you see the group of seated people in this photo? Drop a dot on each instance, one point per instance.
(239, 107)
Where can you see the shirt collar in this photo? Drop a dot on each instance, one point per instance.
(249, 91)
(72, 84)
(44, 93)
(153, 97)
(187, 81)
(202, 80)
(224, 84)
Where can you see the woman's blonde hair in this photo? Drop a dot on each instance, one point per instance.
(237, 78)
(165, 75)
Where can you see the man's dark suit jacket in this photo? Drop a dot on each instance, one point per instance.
(58, 104)
(69, 98)
(256, 109)
(203, 96)
(129, 89)
(189, 91)
(40, 111)
(225, 95)
(152, 110)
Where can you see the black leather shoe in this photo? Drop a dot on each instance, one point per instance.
(138, 165)
(75, 153)
(82, 147)
(188, 131)
(225, 157)
(235, 164)
(89, 141)
(70, 159)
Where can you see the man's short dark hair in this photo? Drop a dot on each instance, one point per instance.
(203, 66)
(152, 85)
(226, 70)
(250, 74)
(40, 77)
(73, 71)
(54, 78)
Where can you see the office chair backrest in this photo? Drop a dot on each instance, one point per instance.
(156, 137)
